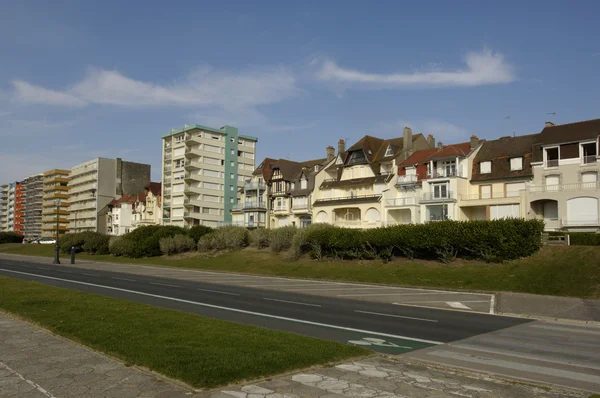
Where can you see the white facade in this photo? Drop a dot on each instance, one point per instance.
(147, 212)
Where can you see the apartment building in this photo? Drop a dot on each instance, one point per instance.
(203, 169)
(19, 221)
(147, 210)
(10, 207)
(565, 190)
(352, 189)
(33, 192)
(4, 208)
(95, 183)
(501, 173)
(55, 188)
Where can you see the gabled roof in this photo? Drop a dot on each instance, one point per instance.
(128, 198)
(370, 146)
(421, 156)
(264, 168)
(461, 149)
(578, 131)
(154, 187)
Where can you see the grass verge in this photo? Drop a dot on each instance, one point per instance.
(200, 351)
(560, 271)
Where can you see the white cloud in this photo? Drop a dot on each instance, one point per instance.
(448, 132)
(203, 88)
(482, 68)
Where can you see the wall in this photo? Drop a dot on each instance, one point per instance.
(133, 177)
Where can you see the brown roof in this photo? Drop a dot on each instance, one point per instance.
(154, 187)
(128, 198)
(461, 149)
(421, 156)
(499, 152)
(265, 168)
(563, 133)
(355, 181)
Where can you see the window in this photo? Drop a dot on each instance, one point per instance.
(485, 167)
(293, 185)
(211, 148)
(230, 200)
(232, 163)
(179, 138)
(214, 161)
(211, 198)
(303, 184)
(232, 139)
(317, 167)
(232, 152)
(210, 185)
(357, 157)
(179, 175)
(211, 173)
(440, 191)
(516, 164)
(215, 137)
(179, 163)
(231, 188)
(388, 151)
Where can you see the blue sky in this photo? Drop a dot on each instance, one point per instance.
(85, 79)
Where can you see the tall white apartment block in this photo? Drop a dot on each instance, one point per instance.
(93, 184)
(4, 208)
(203, 169)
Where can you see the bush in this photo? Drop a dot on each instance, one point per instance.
(260, 238)
(584, 238)
(146, 240)
(496, 240)
(224, 238)
(10, 237)
(281, 238)
(198, 231)
(176, 244)
(120, 247)
(96, 243)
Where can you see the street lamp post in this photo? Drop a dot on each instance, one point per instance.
(56, 248)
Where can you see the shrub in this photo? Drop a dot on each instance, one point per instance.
(10, 237)
(224, 238)
(96, 243)
(281, 238)
(176, 244)
(122, 247)
(198, 231)
(146, 240)
(584, 238)
(260, 238)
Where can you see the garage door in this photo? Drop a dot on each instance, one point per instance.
(504, 211)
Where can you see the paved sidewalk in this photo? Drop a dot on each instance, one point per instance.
(432, 298)
(37, 364)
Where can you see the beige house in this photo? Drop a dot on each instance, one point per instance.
(147, 210)
(353, 189)
(565, 190)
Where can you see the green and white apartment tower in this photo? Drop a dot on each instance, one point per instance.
(203, 169)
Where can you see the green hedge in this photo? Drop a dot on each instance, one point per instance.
(494, 241)
(584, 238)
(10, 237)
(89, 242)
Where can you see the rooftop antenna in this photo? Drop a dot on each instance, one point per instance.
(552, 113)
(510, 124)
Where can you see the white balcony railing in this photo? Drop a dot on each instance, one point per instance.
(408, 179)
(442, 173)
(493, 195)
(254, 205)
(435, 197)
(589, 159)
(299, 206)
(565, 187)
(552, 163)
(255, 185)
(280, 208)
(400, 202)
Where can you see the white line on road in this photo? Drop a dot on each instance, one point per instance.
(218, 291)
(392, 294)
(298, 285)
(292, 302)
(458, 304)
(283, 318)
(84, 273)
(123, 279)
(163, 284)
(396, 316)
(492, 303)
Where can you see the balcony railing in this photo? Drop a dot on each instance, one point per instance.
(255, 205)
(443, 173)
(493, 195)
(368, 196)
(299, 206)
(255, 185)
(552, 163)
(589, 159)
(565, 187)
(280, 208)
(591, 221)
(433, 197)
(408, 179)
(400, 202)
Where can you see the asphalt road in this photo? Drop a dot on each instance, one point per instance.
(389, 328)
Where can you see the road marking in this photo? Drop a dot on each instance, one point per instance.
(298, 285)
(492, 303)
(83, 273)
(396, 316)
(443, 301)
(367, 341)
(218, 291)
(458, 304)
(163, 284)
(64, 272)
(389, 294)
(123, 279)
(283, 318)
(31, 383)
(291, 302)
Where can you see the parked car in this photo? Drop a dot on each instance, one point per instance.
(44, 241)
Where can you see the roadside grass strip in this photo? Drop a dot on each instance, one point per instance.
(200, 351)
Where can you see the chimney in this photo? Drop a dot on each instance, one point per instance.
(440, 145)
(549, 124)
(474, 141)
(431, 141)
(407, 139)
(341, 147)
(330, 153)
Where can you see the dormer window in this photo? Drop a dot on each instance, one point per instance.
(516, 164)
(317, 167)
(388, 151)
(485, 167)
(357, 157)
(303, 184)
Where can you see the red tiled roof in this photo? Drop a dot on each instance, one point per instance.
(128, 198)
(154, 187)
(461, 149)
(419, 157)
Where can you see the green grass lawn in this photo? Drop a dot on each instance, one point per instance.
(562, 271)
(200, 351)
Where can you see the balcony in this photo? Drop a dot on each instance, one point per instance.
(587, 222)
(190, 214)
(187, 202)
(493, 195)
(193, 166)
(83, 170)
(250, 186)
(192, 177)
(408, 179)
(192, 153)
(583, 186)
(191, 190)
(280, 209)
(444, 173)
(431, 197)
(168, 157)
(237, 207)
(354, 199)
(300, 207)
(399, 202)
(255, 205)
(592, 159)
(189, 138)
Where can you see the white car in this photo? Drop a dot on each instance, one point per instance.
(45, 241)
